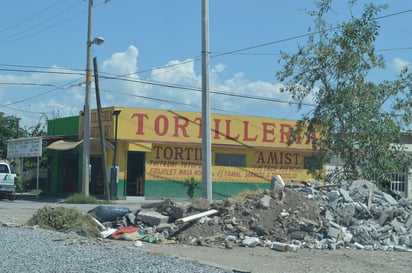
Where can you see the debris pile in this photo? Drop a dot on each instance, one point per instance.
(286, 218)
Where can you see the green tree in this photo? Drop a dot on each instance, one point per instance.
(37, 130)
(355, 117)
(9, 129)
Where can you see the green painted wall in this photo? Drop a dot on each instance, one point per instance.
(68, 127)
(63, 126)
(121, 189)
(176, 189)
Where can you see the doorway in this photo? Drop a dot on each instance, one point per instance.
(135, 173)
(96, 176)
(70, 171)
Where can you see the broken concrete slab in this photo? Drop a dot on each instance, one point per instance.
(151, 217)
(251, 241)
(390, 199)
(277, 183)
(345, 195)
(200, 204)
(264, 202)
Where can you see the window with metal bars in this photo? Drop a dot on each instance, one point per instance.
(230, 160)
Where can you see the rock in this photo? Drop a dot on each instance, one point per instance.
(334, 232)
(251, 241)
(346, 195)
(200, 204)
(151, 217)
(277, 183)
(345, 213)
(264, 202)
(229, 244)
(260, 230)
(385, 216)
(388, 198)
(333, 196)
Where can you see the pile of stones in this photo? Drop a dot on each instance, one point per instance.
(298, 215)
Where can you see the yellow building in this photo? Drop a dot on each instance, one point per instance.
(157, 150)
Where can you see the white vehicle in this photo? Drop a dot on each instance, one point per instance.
(7, 181)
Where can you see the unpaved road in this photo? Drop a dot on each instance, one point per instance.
(239, 259)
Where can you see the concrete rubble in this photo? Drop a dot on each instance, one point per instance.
(285, 218)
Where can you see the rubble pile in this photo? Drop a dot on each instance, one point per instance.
(304, 214)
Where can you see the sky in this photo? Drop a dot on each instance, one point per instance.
(151, 56)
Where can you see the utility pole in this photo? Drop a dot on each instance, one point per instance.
(206, 142)
(102, 140)
(86, 116)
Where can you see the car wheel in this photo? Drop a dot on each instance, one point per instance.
(11, 196)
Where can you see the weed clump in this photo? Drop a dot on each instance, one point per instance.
(64, 220)
(82, 199)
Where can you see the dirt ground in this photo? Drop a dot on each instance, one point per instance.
(242, 259)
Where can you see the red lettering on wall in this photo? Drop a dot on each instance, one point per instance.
(140, 121)
(311, 137)
(268, 129)
(246, 132)
(180, 126)
(181, 123)
(161, 119)
(199, 121)
(217, 128)
(285, 132)
(260, 159)
(177, 153)
(168, 153)
(228, 136)
(275, 158)
(157, 150)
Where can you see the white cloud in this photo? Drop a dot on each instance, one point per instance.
(176, 85)
(122, 63)
(126, 85)
(400, 64)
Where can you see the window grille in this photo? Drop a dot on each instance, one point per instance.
(231, 160)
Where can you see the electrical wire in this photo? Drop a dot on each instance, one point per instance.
(237, 51)
(23, 34)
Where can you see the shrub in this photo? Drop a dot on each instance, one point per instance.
(64, 219)
(191, 185)
(82, 199)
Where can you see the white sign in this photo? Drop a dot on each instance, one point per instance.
(24, 147)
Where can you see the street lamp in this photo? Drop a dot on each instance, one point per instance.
(113, 172)
(86, 122)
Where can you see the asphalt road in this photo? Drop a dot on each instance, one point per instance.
(22, 209)
(243, 259)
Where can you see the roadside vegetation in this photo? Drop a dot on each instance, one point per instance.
(355, 118)
(84, 199)
(64, 220)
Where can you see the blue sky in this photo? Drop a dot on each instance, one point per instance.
(157, 44)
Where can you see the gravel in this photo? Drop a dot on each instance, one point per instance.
(26, 249)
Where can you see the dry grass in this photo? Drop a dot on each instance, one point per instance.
(64, 219)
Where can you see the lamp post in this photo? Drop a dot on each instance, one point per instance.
(86, 121)
(113, 172)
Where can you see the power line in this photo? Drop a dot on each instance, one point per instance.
(169, 85)
(28, 18)
(22, 34)
(213, 91)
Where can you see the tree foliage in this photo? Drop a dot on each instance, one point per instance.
(9, 129)
(357, 118)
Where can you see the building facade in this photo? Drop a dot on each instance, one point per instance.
(158, 150)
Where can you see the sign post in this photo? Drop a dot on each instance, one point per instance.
(26, 147)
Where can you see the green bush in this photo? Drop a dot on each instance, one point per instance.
(82, 199)
(191, 185)
(64, 219)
